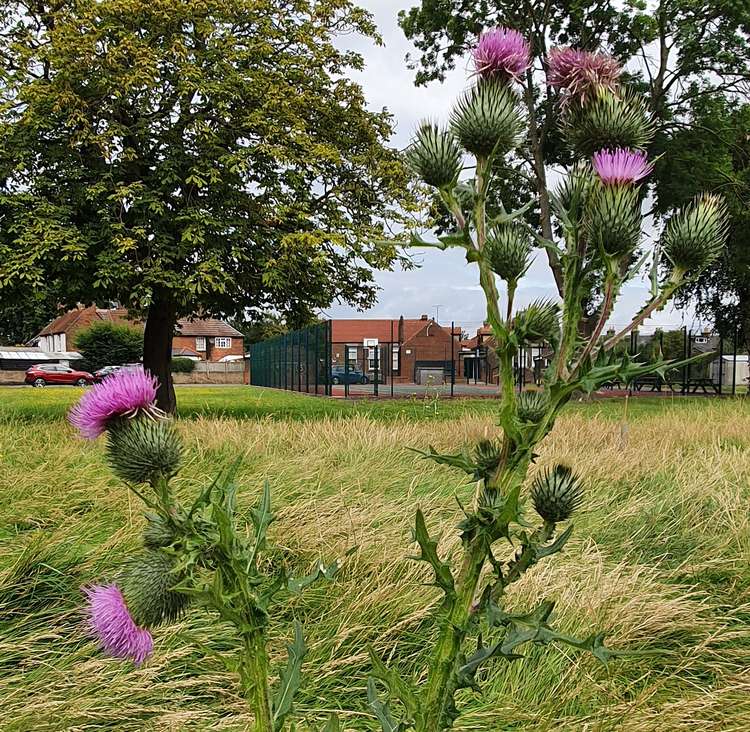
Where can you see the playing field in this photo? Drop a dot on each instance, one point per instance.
(660, 561)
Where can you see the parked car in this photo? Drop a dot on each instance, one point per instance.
(53, 373)
(106, 371)
(355, 376)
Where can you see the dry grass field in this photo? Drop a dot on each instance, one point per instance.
(659, 560)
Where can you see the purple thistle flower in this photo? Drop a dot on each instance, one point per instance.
(581, 74)
(111, 623)
(621, 166)
(125, 393)
(503, 53)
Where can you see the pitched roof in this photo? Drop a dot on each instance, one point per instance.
(385, 330)
(81, 317)
(206, 327)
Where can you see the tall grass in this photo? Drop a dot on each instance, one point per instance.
(659, 560)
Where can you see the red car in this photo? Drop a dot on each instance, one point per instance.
(53, 373)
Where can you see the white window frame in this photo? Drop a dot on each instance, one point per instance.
(200, 343)
(222, 342)
(396, 358)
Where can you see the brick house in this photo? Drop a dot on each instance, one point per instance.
(410, 350)
(205, 340)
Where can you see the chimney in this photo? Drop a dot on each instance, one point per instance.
(423, 317)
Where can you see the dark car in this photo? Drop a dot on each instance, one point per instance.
(354, 376)
(106, 371)
(54, 373)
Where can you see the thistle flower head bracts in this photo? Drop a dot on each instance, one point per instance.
(125, 394)
(695, 236)
(621, 166)
(556, 493)
(434, 155)
(144, 449)
(502, 53)
(581, 74)
(111, 623)
(608, 121)
(486, 119)
(508, 250)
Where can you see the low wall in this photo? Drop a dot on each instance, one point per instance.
(206, 372)
(12, 377)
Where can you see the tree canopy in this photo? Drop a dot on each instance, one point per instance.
(184, 158)
(109, 344)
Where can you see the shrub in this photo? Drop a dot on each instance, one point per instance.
(109, 344)
(182, 366)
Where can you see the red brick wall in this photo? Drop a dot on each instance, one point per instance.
(215, 354)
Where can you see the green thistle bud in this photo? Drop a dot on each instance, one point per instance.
(141, 449)
(147, 584)
(570, 198)
(608, 122)
(532, 406)
(486, 118)
(556, 493)
(435, 156)
(695, 236)
(487, 457)
(508, 251)
(157, 532)
(613, 218)
(539, 321)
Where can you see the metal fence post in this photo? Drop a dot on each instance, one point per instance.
(377, 369)
(453, 357)
(734, 362)
(346, 371)
(721, 362)
(398, 357)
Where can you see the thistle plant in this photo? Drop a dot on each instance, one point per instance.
(191, 556)
(598, 209)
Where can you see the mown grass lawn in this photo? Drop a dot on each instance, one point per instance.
(660, 561)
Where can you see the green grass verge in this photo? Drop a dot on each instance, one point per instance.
(660, 560)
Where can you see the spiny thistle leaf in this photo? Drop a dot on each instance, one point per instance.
(609, 121)
(695, 236)
(443, 575)
(147, 583)
(532, 406)
(381, 710)
(486, 118)
(289, 679)
(140, 450)
(508, 251)
(435, 155)
(396, 685)
(613, 219)
(556, 493)
(539, 321)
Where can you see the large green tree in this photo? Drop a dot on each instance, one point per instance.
(712, 152)
(185, 157)
(671, 43)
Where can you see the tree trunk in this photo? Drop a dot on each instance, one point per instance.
(157, 350)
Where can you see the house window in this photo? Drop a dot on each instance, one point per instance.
(223, 342)
(352, 354)
(701, 340)
(396, 358)
(200, 343)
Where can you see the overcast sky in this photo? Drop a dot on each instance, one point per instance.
(444, 280)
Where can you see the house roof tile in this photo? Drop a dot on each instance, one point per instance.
(385, 330)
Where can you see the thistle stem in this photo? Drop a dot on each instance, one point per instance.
(438, 694)
(254, 679)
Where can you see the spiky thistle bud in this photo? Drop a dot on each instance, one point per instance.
(157, 533)
(487, 455)
(613, 218)
(608, 121)
(571, 195)
(695, 236)
(539, 321)
(487, 119)
(556, 493)
(146, 583)
(140, 450)
(532, 406)
(435, 155)
(508, 251)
